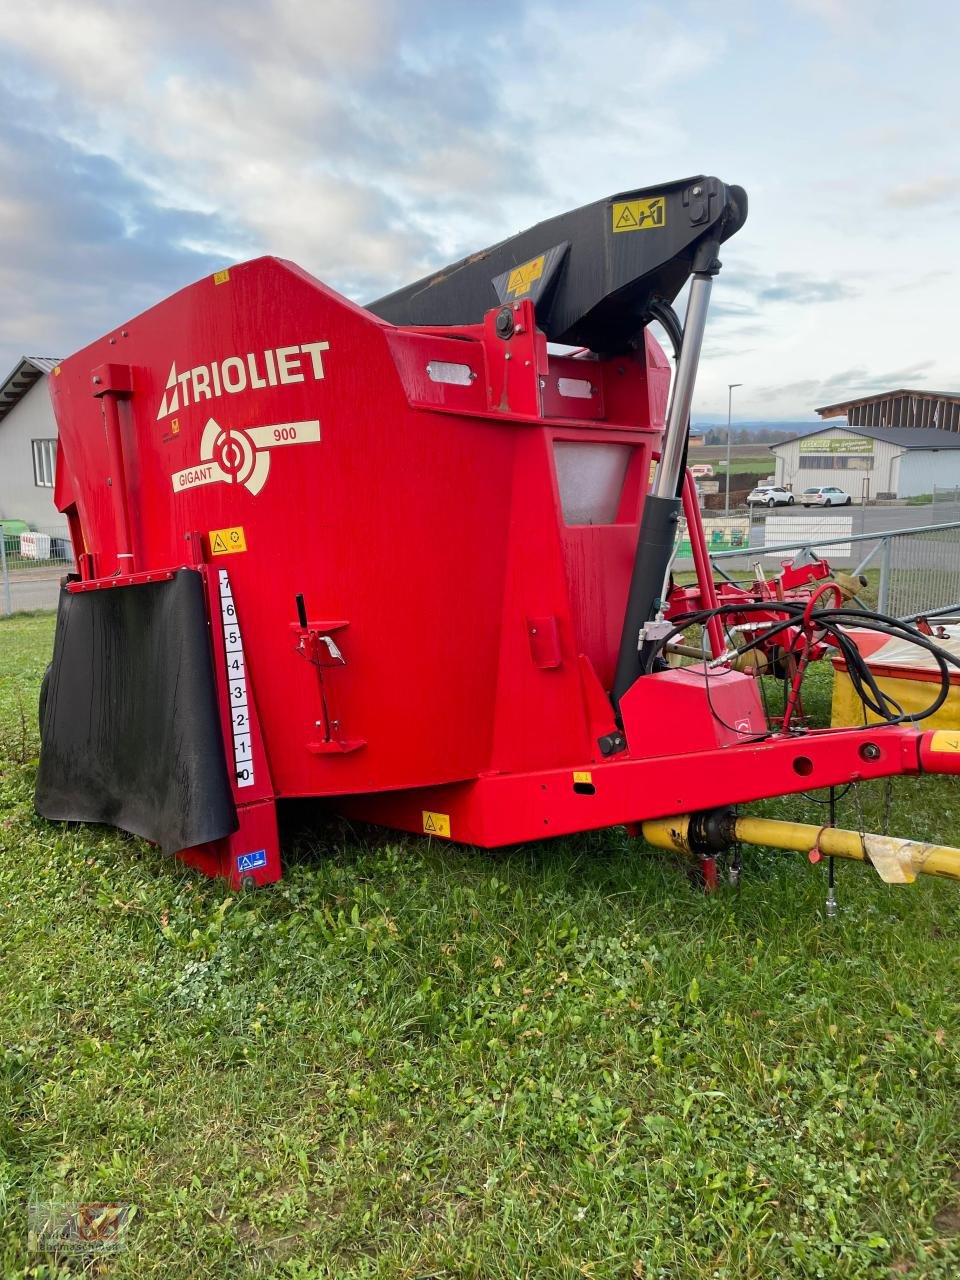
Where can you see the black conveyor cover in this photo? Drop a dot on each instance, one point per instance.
(130, 731)
(592, 274)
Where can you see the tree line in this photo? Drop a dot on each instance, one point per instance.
(745, 435)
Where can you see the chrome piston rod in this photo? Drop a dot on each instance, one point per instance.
(678, 415)
(661, 509)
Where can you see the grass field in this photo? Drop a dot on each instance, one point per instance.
(409, 1060)
(743, 459)
(742, 466)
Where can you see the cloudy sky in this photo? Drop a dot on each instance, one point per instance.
(143, 145)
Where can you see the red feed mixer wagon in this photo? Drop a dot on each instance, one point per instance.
(408, 558)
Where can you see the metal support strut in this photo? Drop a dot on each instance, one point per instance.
(112, 383)
(694, 323)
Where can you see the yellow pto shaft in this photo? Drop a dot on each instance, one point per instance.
(895, 861)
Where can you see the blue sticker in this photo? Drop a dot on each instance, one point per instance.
(250, 861)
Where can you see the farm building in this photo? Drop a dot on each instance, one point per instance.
(871, 462)
(939, 410)
(28, 446)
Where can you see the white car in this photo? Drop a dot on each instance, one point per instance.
(770, 495)
(827, 495)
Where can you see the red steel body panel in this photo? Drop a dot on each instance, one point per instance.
(423, 517)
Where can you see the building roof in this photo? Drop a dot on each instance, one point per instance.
(16, 385)
(906, 437)
(834, 410)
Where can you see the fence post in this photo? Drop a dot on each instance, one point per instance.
(883, 592)
(5, 575)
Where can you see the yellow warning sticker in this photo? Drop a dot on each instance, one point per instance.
(221, 277)
(175, 425)
(639, 215)
(945, 740)
(583, 777)
(224, 542)
(436, 824)
(521, 278)
(56, 371)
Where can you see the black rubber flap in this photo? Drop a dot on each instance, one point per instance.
(131, 732)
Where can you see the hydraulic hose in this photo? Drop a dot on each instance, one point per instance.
(831, 622)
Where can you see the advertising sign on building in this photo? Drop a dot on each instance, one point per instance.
(836, 444)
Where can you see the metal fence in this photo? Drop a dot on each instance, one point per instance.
(916, 569)
(32, 562)
(913, 570)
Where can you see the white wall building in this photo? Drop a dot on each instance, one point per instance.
(871, 462)
(28, 446)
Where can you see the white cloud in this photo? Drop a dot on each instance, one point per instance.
(927, 191)
(372, 140)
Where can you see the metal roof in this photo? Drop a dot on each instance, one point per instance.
(16, 385)
(832, 409)
(906, 437)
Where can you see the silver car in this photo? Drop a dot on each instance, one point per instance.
(826, 495)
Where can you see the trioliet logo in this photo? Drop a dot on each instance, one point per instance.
(274, 367)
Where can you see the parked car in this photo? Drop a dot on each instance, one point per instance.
(770, 495)
(826, 495)
(702, 470)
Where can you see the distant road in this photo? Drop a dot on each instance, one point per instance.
(871, 519)
(868, 519)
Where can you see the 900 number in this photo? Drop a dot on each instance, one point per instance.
(284, 433)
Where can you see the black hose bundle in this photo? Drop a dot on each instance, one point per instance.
(830, 622)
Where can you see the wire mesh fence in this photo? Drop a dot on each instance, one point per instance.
(943, 495)
(920, 572)
(32, 562)
(912, 571)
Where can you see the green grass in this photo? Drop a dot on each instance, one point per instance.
(409, 1060)
(743, 466)
(926, 499)
(763, 466)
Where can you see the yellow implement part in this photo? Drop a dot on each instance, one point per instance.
(895, 861)
(913, 695)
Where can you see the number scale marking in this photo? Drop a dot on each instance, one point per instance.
(237, 682)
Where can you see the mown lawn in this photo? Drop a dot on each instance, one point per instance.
(417, 1061)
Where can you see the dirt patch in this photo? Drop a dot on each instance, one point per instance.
(947, 1220)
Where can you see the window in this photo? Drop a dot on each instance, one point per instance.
(590, 477)
(836, 462)
(44, 462)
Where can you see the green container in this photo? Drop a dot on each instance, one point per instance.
(11, 531)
